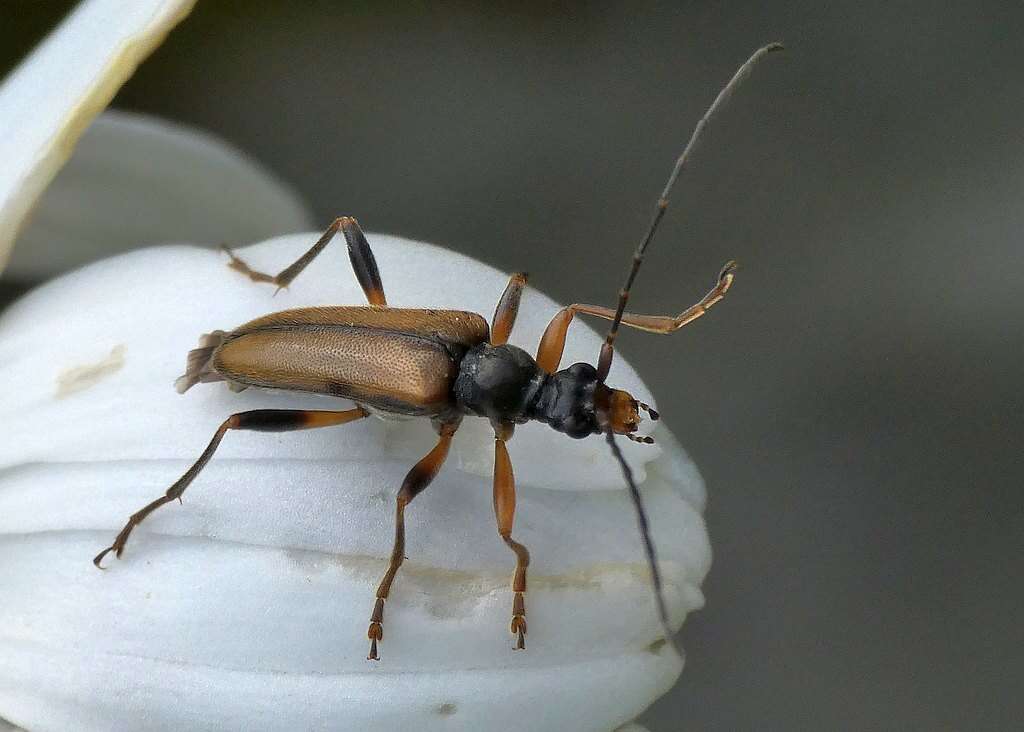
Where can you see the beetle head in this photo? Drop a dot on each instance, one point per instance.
(619, 410)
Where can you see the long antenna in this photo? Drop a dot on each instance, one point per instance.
(605, 361)
(645, 532)
(607, 348)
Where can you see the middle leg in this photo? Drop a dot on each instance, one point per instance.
(507, 310)
(505, 513)
(415, 481)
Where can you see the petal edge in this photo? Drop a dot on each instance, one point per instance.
(80, 65)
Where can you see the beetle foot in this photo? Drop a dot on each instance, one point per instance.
(518, 627)
(99, 557)
(375, 633)
(376, 630)
(238, 264)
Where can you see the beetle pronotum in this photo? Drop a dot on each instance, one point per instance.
(441, 364)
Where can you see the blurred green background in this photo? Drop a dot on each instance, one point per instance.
(855, 404)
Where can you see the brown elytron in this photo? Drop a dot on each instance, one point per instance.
(442, 364)
(374, 360)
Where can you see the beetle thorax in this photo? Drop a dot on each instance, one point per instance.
(498, 382)
(504, 383)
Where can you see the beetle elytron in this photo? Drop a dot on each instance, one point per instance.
(441, 364)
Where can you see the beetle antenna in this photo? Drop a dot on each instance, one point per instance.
(605, 361)
(653, 413)
(645, 533)
(643, 439)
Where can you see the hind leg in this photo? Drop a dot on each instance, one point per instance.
(262, 420)
(359, 253)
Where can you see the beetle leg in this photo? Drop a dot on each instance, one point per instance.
(507, 309)
(262, 420)
(416, 480)
(549, 352)
(505, 512)
(363, 262)
(359, 253)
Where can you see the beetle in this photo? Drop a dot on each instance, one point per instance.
(440, 364)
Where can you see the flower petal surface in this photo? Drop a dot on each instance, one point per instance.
(135, 180)
(247, 606)
(48, 101)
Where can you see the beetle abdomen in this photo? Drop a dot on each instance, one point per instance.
(199, 364)
(393, 371)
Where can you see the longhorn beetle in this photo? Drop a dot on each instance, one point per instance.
(441, 364)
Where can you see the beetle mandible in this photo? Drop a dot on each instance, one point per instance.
(441, 364)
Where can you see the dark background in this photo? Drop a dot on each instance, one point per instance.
(854, 405)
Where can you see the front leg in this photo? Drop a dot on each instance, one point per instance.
(552, 343)
(505, 512)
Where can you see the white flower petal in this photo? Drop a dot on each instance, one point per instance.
(252, 600)
(136, 180)
(49, 100)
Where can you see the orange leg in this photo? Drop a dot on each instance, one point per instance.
(507, 310)
(359, 253)
(261, 420)
(552, 343)
(415, 481)
(505, 512)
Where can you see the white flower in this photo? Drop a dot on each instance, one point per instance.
(247, 607)
(49, 100)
